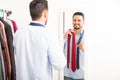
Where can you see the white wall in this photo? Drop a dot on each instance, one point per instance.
(102, 40)
(19, 8)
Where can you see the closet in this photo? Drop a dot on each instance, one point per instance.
(8, 28)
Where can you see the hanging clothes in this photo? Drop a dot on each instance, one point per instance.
(15, 27)
(6, 30)
(7, 56)
(2, 65)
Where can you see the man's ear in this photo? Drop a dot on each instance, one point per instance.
(46, 13)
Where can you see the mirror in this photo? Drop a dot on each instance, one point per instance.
(68, 19)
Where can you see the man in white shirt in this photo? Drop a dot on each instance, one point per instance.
(37, 52)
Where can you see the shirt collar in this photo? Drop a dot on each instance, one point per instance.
(37, 22)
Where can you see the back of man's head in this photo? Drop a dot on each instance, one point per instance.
(37, 7)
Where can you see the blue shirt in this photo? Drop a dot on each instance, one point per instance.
(37, 52)
(79, 73)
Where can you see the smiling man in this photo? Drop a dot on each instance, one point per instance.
(74, 50)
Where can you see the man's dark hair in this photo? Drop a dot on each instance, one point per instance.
(79, 13)
(37, 7)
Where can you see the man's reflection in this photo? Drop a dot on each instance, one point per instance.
(74, 49)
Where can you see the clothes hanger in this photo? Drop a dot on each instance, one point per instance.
(8, 13)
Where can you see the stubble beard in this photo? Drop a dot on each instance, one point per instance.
(77, 28)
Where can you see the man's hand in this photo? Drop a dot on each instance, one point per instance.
(68, 32)
(81, 46)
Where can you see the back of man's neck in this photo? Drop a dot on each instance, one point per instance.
(40, 21)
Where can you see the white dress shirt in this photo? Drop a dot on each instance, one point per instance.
(37, 51)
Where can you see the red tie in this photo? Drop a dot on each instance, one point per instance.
(73, 59)
(68, 51)
(73, 52)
